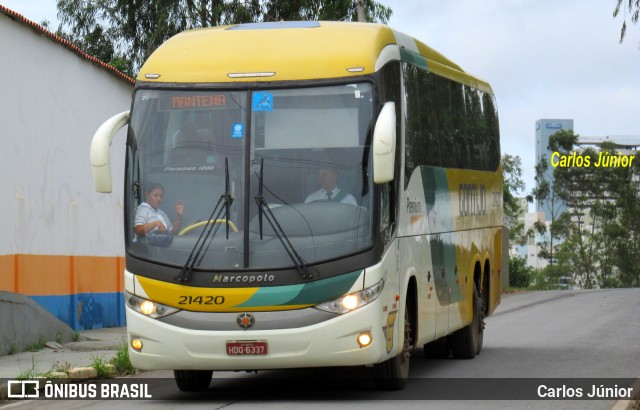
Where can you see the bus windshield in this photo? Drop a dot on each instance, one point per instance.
(294, 164)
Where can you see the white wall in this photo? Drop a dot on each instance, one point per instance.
(51, 103)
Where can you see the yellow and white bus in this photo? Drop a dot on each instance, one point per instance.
(250, 126)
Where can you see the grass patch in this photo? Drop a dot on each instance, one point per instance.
(28, 374)
(32, 373)
(35, 347)
(102, 367)
(121, 363)
(62, 367)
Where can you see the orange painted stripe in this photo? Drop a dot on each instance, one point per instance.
(16, 267)
(8, 275)
(71, 274)
(95, 274)
(45, 275)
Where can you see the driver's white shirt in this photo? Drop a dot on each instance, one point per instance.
(321, 194)
(145, 214)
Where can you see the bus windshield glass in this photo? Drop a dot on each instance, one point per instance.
(271, 173)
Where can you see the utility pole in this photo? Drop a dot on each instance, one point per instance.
(360, 7)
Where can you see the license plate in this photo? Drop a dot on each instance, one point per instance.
(250, 347)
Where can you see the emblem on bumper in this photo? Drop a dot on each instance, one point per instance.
(246, 320)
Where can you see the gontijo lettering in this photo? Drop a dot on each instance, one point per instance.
(472, 199)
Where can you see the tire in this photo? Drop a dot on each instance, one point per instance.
(484, 308)
(438, 349)
(467, 342)
(482, 315)
(392, 374)
(193, 380)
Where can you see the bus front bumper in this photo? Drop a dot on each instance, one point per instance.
(330, 343)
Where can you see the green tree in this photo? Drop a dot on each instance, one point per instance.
(546, 194)
(624, 228)
(577, 187)
(634, 11)
(547, 278)
(576, 255)
(520, 275)
(512, 185)
(96, 44)
(128, 31)
(600, 231)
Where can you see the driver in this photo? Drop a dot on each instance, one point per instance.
(329, 191)
(150, 218)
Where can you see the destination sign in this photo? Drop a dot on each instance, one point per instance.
(192, 101)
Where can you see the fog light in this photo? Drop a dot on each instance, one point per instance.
(364, 339)
(136, 344)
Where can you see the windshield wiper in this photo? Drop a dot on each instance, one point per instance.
(263, 209)
(196, 255)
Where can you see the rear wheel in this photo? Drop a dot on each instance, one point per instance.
(482, 315)
(193, 380)
(484, 299)
(392, 374)
(467, 342)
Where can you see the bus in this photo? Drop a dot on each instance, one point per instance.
(241, 126)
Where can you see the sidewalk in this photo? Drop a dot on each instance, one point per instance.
(101, 343)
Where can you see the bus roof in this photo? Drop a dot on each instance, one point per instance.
(288, 51)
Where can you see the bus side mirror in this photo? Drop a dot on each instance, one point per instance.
(384, 144)
(100, 151)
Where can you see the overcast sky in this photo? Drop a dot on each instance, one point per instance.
(543, 58)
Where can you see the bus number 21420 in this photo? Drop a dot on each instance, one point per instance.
(201, 300)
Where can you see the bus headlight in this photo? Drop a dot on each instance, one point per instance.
(353, 301)
(147, 307)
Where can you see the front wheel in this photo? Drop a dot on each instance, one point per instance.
(193, 380)
(392, 374)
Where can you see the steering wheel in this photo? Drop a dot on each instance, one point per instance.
(203, 223)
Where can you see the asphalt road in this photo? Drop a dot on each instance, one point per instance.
(535, 337)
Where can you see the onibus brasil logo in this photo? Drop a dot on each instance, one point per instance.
(30, 389)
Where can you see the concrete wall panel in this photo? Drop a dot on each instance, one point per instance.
(60, 239)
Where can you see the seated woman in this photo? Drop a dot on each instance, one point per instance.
(149, 218)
